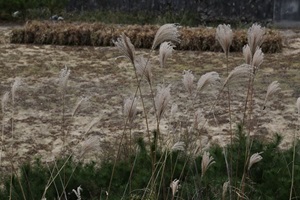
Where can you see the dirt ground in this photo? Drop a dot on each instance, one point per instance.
(100, 74)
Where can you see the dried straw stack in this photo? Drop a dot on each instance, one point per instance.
(99, 34)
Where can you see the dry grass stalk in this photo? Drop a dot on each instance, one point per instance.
(273, 88)
(161, 100)
(4, 101)
(16, 85)
(174, 186)
(224, 36)
(130, 109)
(63, 77)
(165, 51)
(125, 46)
(258, 58)
(255, 158)
(210, 78)
(298, 105)
(188, 80)
(207, 161)
(178, 146)
(238, 72)
(225, 189)
(255, 37)
(167, 32)
(173, 111)
(143, 68)
(247, 54)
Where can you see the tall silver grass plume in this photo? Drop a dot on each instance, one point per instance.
(78, 192)
(165, 51)
(197, 116)
(89, 145)
(255, 37)
(188, 80)
(298, 105)
(224, 36)
(174, 186)
(130, 109)
(167, 32)
(4, 101)
(178, 146)
(273, 88)
(92, 124)
(125, 46)
(174, 110)
(207, 161)
(79, 104)
(16, 85)
(210, 78)
(258, 58)
(225, 189)
(162, 99)
(255, 158)
(63, 77)
(143, 68)
(241, 71)
(247, 54)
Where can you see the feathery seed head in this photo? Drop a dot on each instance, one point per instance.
(4, 101)
(224, 36)
(167, 32)
(16, 85)
(92, 124)
(174, 186)
(125, 46)
(178, 146)
(79, 103)
(63, 77)
(255, 37)
(89, 145)
(255, 158)
(130, 109)
(197, 116)
(273, 88)
(161, 100)
(78, 192)
(298, 105)
(258, 58)
(188, 80)
(207, 161)
(238, 72)
(247, 54)
(210, 78)
(143, 68)
(165, 51)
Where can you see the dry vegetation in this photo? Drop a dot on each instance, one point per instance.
(107, 79)
(99, 34)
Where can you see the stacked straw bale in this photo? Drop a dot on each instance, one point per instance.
(99, 34)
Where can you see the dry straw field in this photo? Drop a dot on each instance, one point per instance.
(104, 80)
(99, 74)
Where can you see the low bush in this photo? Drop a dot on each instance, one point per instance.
(99, 34)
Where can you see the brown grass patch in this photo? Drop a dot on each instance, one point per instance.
(99, 34)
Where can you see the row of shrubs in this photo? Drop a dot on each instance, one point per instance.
(99, 34)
